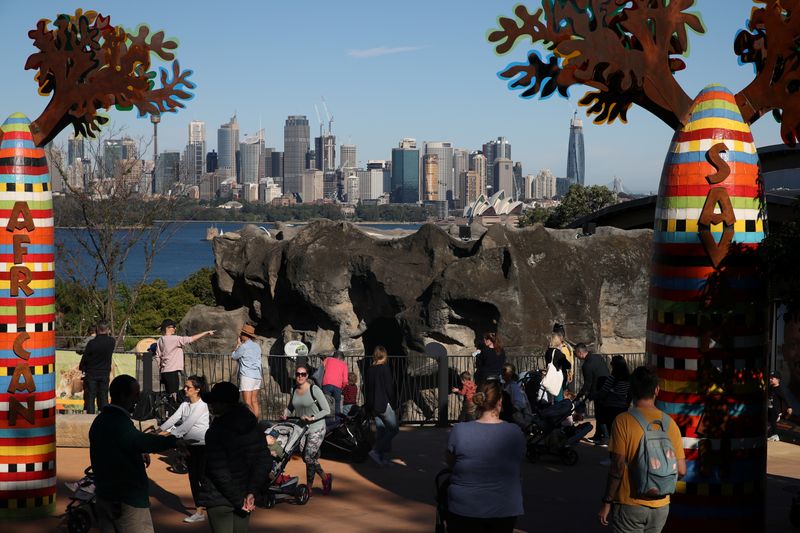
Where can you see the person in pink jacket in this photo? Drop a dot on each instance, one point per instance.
(335, 379)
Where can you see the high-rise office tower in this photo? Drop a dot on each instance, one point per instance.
(469, 187)
(212, 161)
(444, 162)
(227, 146)
(196, 152)
(405, 173)
(252, 150)
(115, 152)
(76, 149)
(460, 166)
(296, 139)
(430, 169)
(519, 185)
(544, 185)
(504, 176)
(277, 166)
(167, 171)
(493, 150)
(576, 163)
(477, 162)
(311, 185)
(347, 154)
(265, 169)
(325, 152)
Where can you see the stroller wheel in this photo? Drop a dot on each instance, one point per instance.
(269, 501)
(569, 456)
(78, 520)
(302, 494)
(531, 454)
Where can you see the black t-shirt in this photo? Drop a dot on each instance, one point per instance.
(96, 360)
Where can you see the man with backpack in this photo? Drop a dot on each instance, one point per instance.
(647, 459)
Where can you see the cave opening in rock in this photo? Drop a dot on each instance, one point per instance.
(385, 332)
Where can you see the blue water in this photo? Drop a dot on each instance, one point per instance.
(185, 252)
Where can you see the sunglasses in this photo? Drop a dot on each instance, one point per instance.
(300, 374)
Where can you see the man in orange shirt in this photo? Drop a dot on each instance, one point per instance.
(335, 379)
(630, 511)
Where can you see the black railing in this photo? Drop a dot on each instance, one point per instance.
(421, 380)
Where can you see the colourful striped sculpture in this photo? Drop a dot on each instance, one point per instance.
(705, 333)
(27, 339)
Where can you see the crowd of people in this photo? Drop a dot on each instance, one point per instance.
(230, 456)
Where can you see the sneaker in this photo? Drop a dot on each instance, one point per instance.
(71, 485)
(327, 483)
(774, 438)
(196, 517)
(376, 457)
(601, 443)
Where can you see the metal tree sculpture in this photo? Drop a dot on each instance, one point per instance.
(87, 64)
(707, 317)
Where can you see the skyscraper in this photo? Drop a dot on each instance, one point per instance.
(493, 150)
(460, 166)
(118, 157)
(504, 176)
(196, 152)
(444, 163)
(296, 140)
(519, 185)
(325, 152)
(576, 163)
(75, 149)
(430, 166)
(277, 167)
(405, 172)
(167, 169)
(252, 149)
(212, 161)
(348, 156)
(477, 162)
(227, 146)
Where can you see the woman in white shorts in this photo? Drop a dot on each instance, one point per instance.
(248, 354)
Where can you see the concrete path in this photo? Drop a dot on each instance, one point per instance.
(399, 498)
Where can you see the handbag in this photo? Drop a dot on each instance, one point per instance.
(553, 380)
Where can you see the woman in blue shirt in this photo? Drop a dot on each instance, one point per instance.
(485, 491)
(248, 354)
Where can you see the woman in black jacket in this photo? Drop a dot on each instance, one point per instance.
(237, 461)
(490, 360)
(381, 402)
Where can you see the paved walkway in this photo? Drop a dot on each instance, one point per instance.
(400, 498)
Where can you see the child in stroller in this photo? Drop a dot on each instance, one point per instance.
(80, 513)
(283, 440)
(550, 430)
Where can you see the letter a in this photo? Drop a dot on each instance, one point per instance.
(20, 208)
(22, 371)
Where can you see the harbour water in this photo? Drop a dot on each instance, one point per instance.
(184, 253)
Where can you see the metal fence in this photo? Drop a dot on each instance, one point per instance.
(422, 383)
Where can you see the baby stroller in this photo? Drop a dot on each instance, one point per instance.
(547, 433)
(80, 513)
(348, 435)
(442, 482)
(290, 433)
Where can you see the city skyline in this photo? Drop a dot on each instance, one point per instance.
(370, 80)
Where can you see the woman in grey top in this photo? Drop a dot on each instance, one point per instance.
(310, 405)
(485, 491)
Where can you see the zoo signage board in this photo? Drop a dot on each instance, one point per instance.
(27, 337)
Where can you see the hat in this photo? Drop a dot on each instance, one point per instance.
(249, 331)
(775, 374)
(222, 392)
(168, 323)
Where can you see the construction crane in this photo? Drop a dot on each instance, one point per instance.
(328, 115)
(319, 119)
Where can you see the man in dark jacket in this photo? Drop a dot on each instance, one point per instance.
(237, 460)
(116, 449)
(593, 369)
(96, 366)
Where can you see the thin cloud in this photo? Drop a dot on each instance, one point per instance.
(383, 51)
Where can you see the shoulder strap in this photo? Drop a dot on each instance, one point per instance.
(639, 416)
(665, 421)
(316, 402)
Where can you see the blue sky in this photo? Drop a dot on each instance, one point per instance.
(265, 60)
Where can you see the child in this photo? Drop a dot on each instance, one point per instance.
(277, 452)
(349, 393)
(467, 389)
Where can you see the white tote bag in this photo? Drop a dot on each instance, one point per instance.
(553, 380)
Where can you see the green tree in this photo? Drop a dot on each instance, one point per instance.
(530, 217)
(578, 202)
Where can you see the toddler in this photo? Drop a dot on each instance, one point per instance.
(277, 452)
(350, 393)
(468, 388)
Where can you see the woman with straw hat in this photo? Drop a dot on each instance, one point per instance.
(248, 354)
